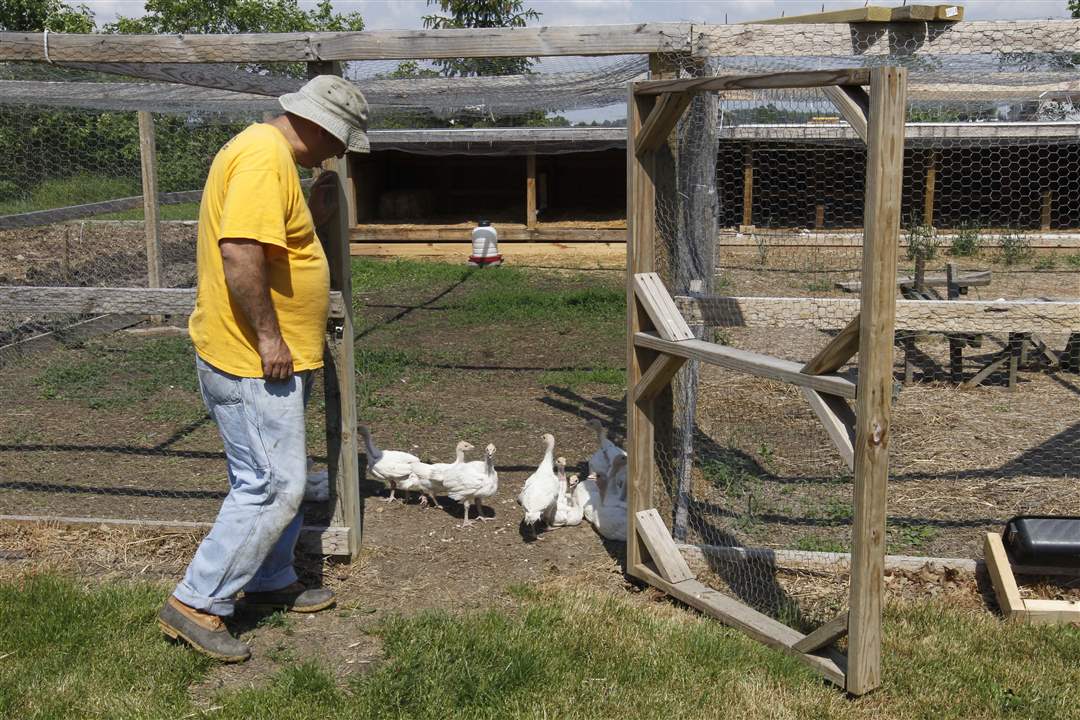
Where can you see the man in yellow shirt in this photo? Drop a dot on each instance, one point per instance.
(258, 328)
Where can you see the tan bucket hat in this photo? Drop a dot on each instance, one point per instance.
(334, 104)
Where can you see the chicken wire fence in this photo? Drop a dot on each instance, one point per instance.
(984, 421)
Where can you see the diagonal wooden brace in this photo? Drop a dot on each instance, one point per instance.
(853, 103)
(661, 121)
(660, 307)
(825, 635)
(659, 374)
(838, 351)
(669, 562)
(838, 419)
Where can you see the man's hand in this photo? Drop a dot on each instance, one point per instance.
(323, 198)
(244, 261)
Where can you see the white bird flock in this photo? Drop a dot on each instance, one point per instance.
(547, 495)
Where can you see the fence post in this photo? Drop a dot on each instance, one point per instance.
(339, 371)
(884, 177)
(151, 222)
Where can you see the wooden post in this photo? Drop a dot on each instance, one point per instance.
(151, 222)
(530, 190)
(747, 186)
(1044, 211)
(339, 371)
(819, 217)
(640, 240)
(956, 345)
(695, 267)
(884, 178)
(928, 191)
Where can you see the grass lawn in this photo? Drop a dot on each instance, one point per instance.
(73, 651)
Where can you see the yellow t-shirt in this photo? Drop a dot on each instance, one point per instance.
(253, 191)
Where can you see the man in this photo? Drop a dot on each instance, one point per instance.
(258, 330)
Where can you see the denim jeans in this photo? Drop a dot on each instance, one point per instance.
(250, 547)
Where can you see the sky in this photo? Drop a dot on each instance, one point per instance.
(406, 14)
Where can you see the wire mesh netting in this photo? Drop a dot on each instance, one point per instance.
(983, 422)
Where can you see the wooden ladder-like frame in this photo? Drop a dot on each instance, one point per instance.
(659, 342)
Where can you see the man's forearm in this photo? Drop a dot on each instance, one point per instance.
(246, 277)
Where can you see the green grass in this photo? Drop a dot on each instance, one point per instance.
(67, 651)
(1073, 261)
(75, 190)
(813, 543)
(180, 211)
(571, 379)
(121, 371)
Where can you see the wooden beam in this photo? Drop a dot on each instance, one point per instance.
(151, 221)
(748, 362)
(884, 182)
(871, 13)
(768, 81)
(974, 278)
(530, 191)
(661, 121)
(316, 539)
(1001, 575)
(825, 635)
(758, 626)
(853, 103)
(508, 233)
(367, 45)
(655, 299)
(659, 375)
(930, 188)
(837, 351)
(748, 186)
(974, 316)
(927, 13)
(1041, 612)
(838, 420)
(1045, 209)
(641, 466)
(339, 366)
(665, 556)
(101, 300)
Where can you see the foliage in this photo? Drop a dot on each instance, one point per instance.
(1015, 247)
(481, 14)
(1074, 8)
(235, 16)
(966, 240)
(39, 15)
(922, 241)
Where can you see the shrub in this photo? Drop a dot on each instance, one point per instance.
(966, 241)
(1015, 247)
(922, 242)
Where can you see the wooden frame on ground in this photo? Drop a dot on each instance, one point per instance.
(658, 332)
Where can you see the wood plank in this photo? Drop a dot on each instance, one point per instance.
(927, 13)
(837, 351)
(661, 121)
(884, 181)
(851, 101)
(734, 614)
(974, 316)
(1045, 209)
(641, 466)
(657, 302)
(1045, 612)
(767, 81)
(599, 254)
(929, 188)
(748, 186)
(1001, 575)
(974, 278)
(101, 300)
(316, 539)
(669, 563)
(870, 13)
(837, 418)
(367, 45)
(659, 374)
(543, 232)
(745, 361)
(148, 161)
(997, 364)
(339, 372)
(530, 191)
(825, 635)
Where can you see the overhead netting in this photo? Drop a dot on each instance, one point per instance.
(984, 419)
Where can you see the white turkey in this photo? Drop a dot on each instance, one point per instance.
(473, 482)
(393, 467)
(610, 519)
(541, 488)
(430, 478)
(586, 496)
(606, 452)
(317, 488)
(565, 512)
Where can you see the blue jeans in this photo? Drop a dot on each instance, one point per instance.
(250, 547)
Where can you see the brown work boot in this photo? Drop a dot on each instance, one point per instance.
(295, 597)
(202, 631)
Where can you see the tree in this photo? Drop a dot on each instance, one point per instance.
(481, 14)
(39, 15)
(1074, 7)
(235, 16)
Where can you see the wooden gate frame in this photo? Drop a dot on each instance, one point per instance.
(659, 342)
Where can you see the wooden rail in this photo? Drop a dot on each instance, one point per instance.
(783, 80)
(103, 300)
